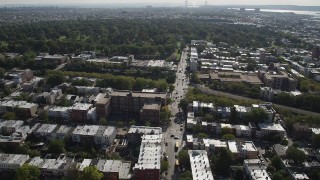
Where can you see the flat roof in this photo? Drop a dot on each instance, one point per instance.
(150, 152)
(46, 128)
(145, 130)
(200, 165)
(232, 145)
(152, 106)
(85, 163)
(140, 94)
(249, 146)
(271, 126)
(86, 130)
(81, 106)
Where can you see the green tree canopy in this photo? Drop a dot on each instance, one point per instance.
(28, 172)
(223, 161)
(183, 158)
(9, 116)
(187, 175)
(164, 165)
(276, 162)
(91, 173)
(228, 137)
(56, 146)
(202, 135)
(257, 115)
(316, 140)
(295, 154)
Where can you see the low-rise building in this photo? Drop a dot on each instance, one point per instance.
(255, 169)
(11, 162)
(150, 112)
(102, 104)
(101, 135)
(270, 128)
(136, 132)
(53, 167)
(62, 132)
(44, 131)
(105, 135)
(29, 109)
(79, 111)
(242, 130)
(13, 134)
(233, 147)
(248, 150)
(148, 165)
(10, 126)
(200, 165)
(58, 112)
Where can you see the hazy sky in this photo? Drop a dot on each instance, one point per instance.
(195, 2)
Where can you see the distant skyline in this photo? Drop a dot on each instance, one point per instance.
(163, 2)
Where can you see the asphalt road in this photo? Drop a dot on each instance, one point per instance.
(232, 96)
(181, 86)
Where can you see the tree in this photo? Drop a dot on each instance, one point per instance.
(316, 140)
(284, 142)
(91, 173)
(183, 104)
(271, 169)
(208, 117)
(187, 175)
(239, 174)
(120, 123)
(202, 135)
(9, 116)
(276, 162)
(195, 79)
(55, 79)
(183, 158)
(132, 122)
(103, 121)
(64, 101)
(257, 115)
(295, 154)
(2, 72)
(226, 130)
(223, 161)
(56, 146)
(277, 176)
(28, 172)
(233, 115)
(164, 166)
(228, 137)
(44, 116)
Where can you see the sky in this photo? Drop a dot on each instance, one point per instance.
(193, 2)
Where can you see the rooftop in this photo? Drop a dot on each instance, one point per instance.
(271, 127)
(140, 94)
(200, 165)
(81, 106)
(150, 152)
(145, 130)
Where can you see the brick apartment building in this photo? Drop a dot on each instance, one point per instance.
(79, 111)
(138, 103)
(278, 80)
(102, 104)
(151, 112)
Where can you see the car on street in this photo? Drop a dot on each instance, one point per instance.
(176, 137)
(172, 135)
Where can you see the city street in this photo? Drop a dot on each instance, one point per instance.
(175, 129)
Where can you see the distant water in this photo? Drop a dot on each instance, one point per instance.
(311, 13)
(315, 14)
